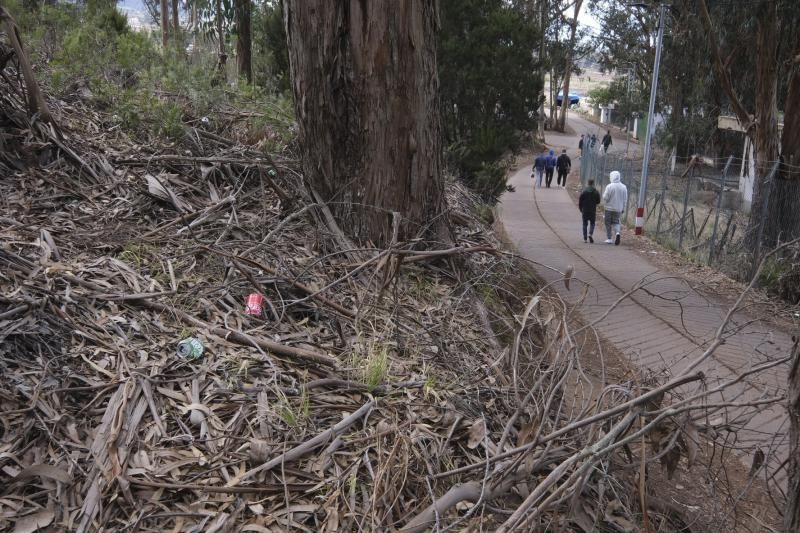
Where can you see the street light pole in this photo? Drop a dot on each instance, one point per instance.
(650, 119)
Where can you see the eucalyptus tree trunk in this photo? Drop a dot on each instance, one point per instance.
(223, 57)
(365, 88)
(176, 23)
(562, 119)
(244, 45)
(164, 23)
(791, 515)
(762, 126)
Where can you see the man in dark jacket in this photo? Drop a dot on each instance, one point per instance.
(564, 165)
(587, 203)
(607, 141)
(538, 170)
(549, 166)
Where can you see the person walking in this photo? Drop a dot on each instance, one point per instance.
(538, 169)
(593, 141)
(563, 165)
(580, 144)
(549, 166)
(615, 199)
(607, 140)
(587, 204)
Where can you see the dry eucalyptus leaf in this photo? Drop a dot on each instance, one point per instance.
(34, 522)
(477, 432)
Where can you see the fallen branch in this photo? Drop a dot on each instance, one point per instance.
(270, 488)
(307, 446)
(36, 103)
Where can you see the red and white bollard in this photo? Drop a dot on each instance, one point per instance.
(639, 220)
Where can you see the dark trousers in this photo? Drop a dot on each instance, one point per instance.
(588, 219)
(548, 176)
(562, 176)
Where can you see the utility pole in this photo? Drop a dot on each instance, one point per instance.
(650, 119)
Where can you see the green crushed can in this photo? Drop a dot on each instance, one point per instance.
(190, 349)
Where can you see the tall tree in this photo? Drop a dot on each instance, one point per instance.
(219, 15)
(791, 517)
(568, 68)
(244, 46)
(164, 23)
(762, 123)
(176, 23)
(365, 83)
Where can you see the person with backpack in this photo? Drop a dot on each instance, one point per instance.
(549, 166)
(587, 204)
(563, 165)
(607, 141)
(538, 169)
(615, 198)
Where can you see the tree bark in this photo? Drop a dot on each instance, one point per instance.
(365, 82)
(766, 123)
(164, 23)
(790, 141)
(244, 45)
(562, 119)
(36, 102)
(223, 57)
(176, 22)
(791, 516)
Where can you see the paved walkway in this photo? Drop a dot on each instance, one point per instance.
(663, 327)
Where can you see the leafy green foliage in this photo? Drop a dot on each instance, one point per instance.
(490, 84)
(601, 96)
(270, 50)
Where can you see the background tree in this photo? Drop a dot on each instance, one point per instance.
(569, 64)
(490, 86)
(365, 83)
(244, 47)
(772, 21)
(791, 516)
(176, 20)
(164, 23)
(269, 37)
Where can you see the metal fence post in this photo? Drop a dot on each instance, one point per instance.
(686, 203)
(764, 208)
(719, 208)
(661, 206)
(628, 183)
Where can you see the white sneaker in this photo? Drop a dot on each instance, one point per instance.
(609, 241)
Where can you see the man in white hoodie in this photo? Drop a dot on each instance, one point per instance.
(615, 199)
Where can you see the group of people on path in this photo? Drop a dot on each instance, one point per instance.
(592, 141)
(615, 200)
(544, 165)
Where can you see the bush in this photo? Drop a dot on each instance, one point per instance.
(489, 87)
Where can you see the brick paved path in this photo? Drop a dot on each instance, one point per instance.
(661, 330)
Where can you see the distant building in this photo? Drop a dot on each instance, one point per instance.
(747, 176)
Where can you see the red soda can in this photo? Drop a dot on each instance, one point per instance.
(253, 304)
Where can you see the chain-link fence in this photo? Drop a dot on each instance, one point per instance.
(692, 205)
